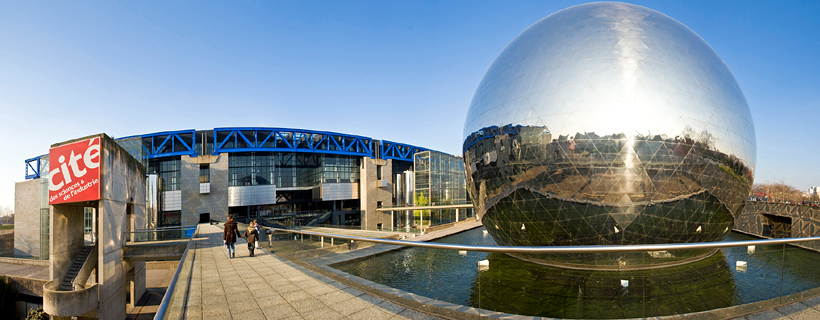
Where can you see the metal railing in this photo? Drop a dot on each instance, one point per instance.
(169, 292)
(559, 249)
(160, 234)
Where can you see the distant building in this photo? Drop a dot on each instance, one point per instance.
(289, 177)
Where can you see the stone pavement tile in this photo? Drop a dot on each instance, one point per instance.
(335, 297)
(280, 312)
(252, 313)
(371, 299)
(282, 289)
(353, 292)
(271, 300)
(214, 299)
(391, 307)
(322, 313)
(305, 305)
(221, 312)
(319, 290)
(295, 296)
(795, 312)
(350, 306)
(793, 308)
(766, 315)
(370, 313)
(813, 302)
(414, 315)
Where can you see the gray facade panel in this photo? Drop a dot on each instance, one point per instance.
(251, 195)
(195, 203)
(340, 191)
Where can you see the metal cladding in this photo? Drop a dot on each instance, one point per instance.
(609, 124)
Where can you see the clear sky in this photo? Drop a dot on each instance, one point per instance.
(401, 71)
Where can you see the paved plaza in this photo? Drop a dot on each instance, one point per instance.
(269, 287)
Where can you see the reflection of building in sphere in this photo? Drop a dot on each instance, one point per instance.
(609, 124)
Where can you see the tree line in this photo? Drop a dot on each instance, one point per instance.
(779, 191)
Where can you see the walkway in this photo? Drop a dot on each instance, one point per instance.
(269, 287)
(804, 310)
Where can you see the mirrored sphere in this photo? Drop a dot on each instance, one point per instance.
(609, 124)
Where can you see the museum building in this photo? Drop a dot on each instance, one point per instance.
(282, 177)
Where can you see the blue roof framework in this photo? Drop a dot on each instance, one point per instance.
(33, 167)
(167, 143)
(290, 140)
(259, 139)
(398, 151)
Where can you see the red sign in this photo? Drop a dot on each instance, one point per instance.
(74, 172)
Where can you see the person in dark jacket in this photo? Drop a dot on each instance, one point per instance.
(229, 236)
(252, 235)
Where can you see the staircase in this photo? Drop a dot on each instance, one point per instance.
(66, 285)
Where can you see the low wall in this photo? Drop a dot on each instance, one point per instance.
(780, 220)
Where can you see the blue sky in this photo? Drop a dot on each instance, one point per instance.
(400, 71)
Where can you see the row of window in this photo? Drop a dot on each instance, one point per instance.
(282, 169)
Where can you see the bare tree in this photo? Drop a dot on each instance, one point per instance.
(779, 191)
(6, 215)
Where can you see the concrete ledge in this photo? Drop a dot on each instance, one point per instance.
(68, 303)
(27, 286)
(25, 262)
(155, 250)
(161, 265)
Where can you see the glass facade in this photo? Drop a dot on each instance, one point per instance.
(45, 210)
(609, 124)
(342, 169)
(289, 170)
(168, 171)
(439, 180)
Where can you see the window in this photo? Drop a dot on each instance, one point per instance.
(250, 169)
(204, 173)
(168, 171)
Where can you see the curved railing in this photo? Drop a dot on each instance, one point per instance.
(173, 294)
(558, 249)
(741, 277)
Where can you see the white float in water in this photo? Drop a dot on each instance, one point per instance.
(740, 266)
(750, 249)
(462, 252)
(484, 265)
(624, 283)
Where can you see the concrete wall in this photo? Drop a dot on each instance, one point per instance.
(194, 203)
(805, 220)
(27, 218)
(372, 191)
(122, 186)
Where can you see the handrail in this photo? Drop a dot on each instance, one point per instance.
(162, 229)
(88, 266)
(166, 299)
(560, 249)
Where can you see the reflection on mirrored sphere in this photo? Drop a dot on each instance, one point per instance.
(609, 124)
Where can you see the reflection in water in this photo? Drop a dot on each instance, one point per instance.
(514, 286)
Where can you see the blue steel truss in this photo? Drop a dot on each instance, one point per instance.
(398, 151)
(168, 143)
(290, 140)
(33, 167)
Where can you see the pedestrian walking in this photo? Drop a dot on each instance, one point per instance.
(229, 236)
(252, 236)
(256, 225)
